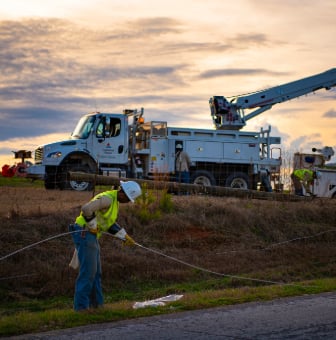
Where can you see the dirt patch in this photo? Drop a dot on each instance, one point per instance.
(279, 241)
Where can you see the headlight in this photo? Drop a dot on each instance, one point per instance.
(56, 154)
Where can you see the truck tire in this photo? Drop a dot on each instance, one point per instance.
(77, 185)
(203, 177)
(238, 180)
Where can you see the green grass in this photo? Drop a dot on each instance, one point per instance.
(20, 182)
(225, 224)
(39, 316)
(38, 183)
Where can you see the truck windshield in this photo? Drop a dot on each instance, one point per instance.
(83, 128)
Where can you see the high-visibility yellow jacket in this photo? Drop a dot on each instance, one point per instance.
(304, 174)
(107, 214)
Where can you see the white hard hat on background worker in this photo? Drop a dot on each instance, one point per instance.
(131, 189)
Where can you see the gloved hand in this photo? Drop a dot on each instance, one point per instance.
(129, 241)
(122, 235)
(92, 224)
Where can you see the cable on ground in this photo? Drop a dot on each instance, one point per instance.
(274, 245)
(175, 259)
(213, 272)
(37, 243)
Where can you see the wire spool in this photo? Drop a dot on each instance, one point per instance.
(21, 170)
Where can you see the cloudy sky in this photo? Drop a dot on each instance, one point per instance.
(61, 59)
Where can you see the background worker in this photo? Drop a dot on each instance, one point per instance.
(98, 216)
(302, 178)
(182, 165)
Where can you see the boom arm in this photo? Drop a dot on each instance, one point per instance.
(230, 115)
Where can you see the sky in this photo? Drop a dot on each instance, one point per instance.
(62, 59)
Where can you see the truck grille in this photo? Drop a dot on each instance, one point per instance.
(38, 155)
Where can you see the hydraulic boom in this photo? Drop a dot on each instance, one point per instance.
(229, 115)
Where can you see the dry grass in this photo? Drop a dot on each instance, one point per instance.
(225, 235)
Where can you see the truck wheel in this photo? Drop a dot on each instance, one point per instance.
(77, 185)
(203, 177)
(237, 180)
(80, 186)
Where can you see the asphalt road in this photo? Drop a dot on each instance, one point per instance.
(305, 317)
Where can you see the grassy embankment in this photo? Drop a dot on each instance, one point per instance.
(291, 243)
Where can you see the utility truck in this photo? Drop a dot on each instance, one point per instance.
(124, 145)
(324, 183)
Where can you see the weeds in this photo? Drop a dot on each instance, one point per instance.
(63, 317)
(224, 235)
(153, 203)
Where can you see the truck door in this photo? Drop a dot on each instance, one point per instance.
(158, 162)
(109, 140)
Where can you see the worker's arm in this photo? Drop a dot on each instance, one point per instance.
(119, 232)
(89, 209)
(87, 217)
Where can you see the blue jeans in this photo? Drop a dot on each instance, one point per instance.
(88, 289)
(183, 176)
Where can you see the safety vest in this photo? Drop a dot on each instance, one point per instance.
(300, 173)
(106, 219)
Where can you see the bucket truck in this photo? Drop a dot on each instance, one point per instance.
(124, 145)
(230, 115)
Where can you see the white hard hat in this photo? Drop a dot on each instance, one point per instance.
(131, 189)
(179, 146)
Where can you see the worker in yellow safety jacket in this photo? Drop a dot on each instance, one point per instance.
(97, 216)
(302, 178)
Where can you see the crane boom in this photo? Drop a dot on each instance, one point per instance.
(229, 115)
